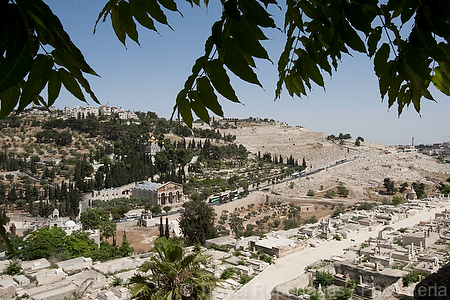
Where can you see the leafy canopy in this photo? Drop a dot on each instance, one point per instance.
(407, 41)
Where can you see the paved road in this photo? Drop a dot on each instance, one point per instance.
(289, 267)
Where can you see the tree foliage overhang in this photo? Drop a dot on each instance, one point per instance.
(407, 40)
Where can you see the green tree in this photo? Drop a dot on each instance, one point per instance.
(197, 222)
(161, 227)
(43, 243)
(167, 231)
(79, 244)
(389, 185)
(96, 219)
(408, 43)
(167, 209)
(236, 225)
(343, 191)
(125, 249)
(444, 188)
(174, 274)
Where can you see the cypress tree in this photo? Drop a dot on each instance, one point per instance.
(166, 234)
(161, 227)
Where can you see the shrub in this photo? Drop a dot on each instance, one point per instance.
(298, 291)
(312, 220)
(365, 206)
(324, 278)
(310, 193)
(227, 273)
(13, 268)
(412, 277)
(223, 248)
(117, 281)
(342, 191)
(397, 201)
(290, 223)
(339, 210)
(330, 194)
(343, 294)
(243, 279)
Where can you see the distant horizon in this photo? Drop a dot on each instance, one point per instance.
(148, 77)
(353, 137)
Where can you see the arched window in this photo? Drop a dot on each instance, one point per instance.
(163, 199)
(170, 197)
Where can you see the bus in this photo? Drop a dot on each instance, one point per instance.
(214, 199)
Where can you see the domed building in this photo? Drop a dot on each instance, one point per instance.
(68, 226)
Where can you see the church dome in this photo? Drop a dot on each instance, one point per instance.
(69, 224)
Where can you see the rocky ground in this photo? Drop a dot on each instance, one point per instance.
(362, 176)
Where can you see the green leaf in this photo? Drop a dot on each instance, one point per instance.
(219, 78)
(208, 97)
(231, 9)
(255, 13)
(53, 87)
(59, 39)
(394, 89)
(417, 61)
(441, 80)
(198, 107)
(294, 85)
(37, 79)
(235, 60)
(138, 11)
(216, 34)
(115, 20)
(126, 21)
(13, 70)
(180, 98)
(169, 4)
(155, 11)
(62, 60)
(71, 84)
(107, 9)
(308, 68)
(185, 111)
(196, 68)
(6, 240)
(9, 99)
(246, 39)
(386, 78)
(381, 58)
(359, 19)
(373, 40)
(407, 12)
(351, 38)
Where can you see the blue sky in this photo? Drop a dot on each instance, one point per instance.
(148, 78)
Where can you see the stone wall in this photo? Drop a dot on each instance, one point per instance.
(281, 292)
(380, 281)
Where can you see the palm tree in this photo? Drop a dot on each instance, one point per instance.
(175, 275)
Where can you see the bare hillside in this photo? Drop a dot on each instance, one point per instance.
(363, 176)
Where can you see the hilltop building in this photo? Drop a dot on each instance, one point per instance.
(81, 112)
(152, 148)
